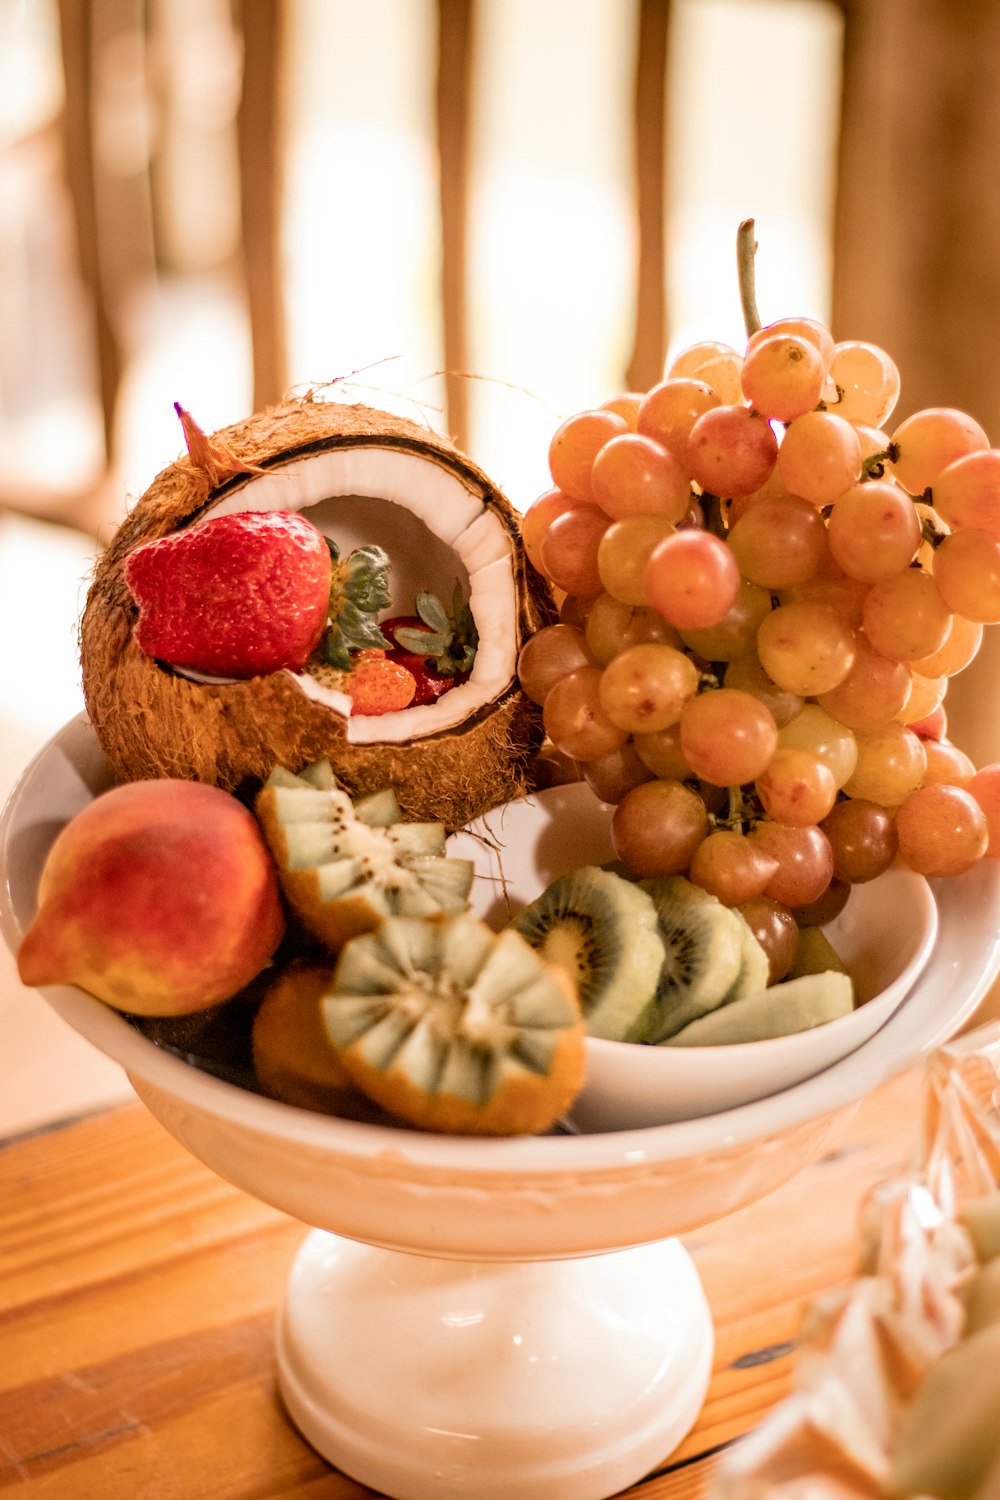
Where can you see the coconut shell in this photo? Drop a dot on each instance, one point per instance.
(152, 722)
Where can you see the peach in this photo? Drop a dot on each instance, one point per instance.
(160, 898)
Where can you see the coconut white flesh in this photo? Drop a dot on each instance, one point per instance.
(434, 530)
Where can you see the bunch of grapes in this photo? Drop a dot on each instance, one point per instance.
(764, 592)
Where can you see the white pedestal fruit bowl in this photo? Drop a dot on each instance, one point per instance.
(503, 1318)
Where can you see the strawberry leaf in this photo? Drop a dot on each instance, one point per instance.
(433, 613)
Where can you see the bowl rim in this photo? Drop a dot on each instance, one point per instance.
(965, 962)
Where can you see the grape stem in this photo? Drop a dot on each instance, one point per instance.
(746, 249)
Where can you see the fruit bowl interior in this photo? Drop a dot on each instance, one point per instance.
(519, 1199)
(885, 935)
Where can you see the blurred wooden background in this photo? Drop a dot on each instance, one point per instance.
(158, 155)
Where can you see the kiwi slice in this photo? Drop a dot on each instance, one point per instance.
(793, 1005)
(754, 967)
(345, 865)
(602, 930)
(705, 951)
(453, 1027)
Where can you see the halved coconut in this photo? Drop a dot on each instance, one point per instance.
(361, 476)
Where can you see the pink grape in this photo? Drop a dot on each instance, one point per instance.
(574, 446)
(657, 826)
(731, 451)
(727, 737)
(942, 830)
(692, 578)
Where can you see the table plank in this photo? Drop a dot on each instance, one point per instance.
(138, 1293)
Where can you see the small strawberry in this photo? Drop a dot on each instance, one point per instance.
(438, 648)
(378, 685)
(237, 596)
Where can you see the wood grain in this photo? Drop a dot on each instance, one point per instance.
(138, 1294)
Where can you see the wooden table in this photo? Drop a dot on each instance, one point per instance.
(138, 1295)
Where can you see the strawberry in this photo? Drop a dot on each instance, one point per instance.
(378, 685)
(237, 596)
(437, 648)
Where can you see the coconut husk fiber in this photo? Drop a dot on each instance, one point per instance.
(152, 722)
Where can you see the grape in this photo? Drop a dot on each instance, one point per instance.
(773, 488)
(783, 376)
(874, 531)
(692, 578)
(967, 575)
(626, 405)
(929, 441)
(942, 830)
(623, 553)
(830, 585)
(730, 867)
(820, 457)
(810, 329)
(827, 907)
(961, 646)
(926, 694)
(967, 492)
(610, 777)
(796, 788)
(933, 726)
(891, 764)
(779, 543)
(862, 836)
(612, 626)
(716, 364)
(906, 617)
(815, 730)
(569, 548)
(727, 737)
(805, 861)
(670, 410)
(985, 787)
(873, 440)
(946, 764)
(574, 446)
(746, 674)
(736, 632)
(731, 451)
(575, 610)
(632, 475)
(646, 687)
(657, 826)
(575, 721)
(551, 653)
(538, 518)
(874, 691)
(662, 753)
(806, 648)
(867, 382)
(775, 929)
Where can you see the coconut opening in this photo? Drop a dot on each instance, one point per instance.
(435, 530)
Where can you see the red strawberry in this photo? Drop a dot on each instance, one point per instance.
(378, 685)
(237, 595)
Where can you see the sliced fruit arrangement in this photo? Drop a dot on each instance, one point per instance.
(602, 931)
(454, 1027)
(664, 962)
(381, 487)
(346, 864)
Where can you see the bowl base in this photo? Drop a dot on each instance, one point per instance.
(428, 1379)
